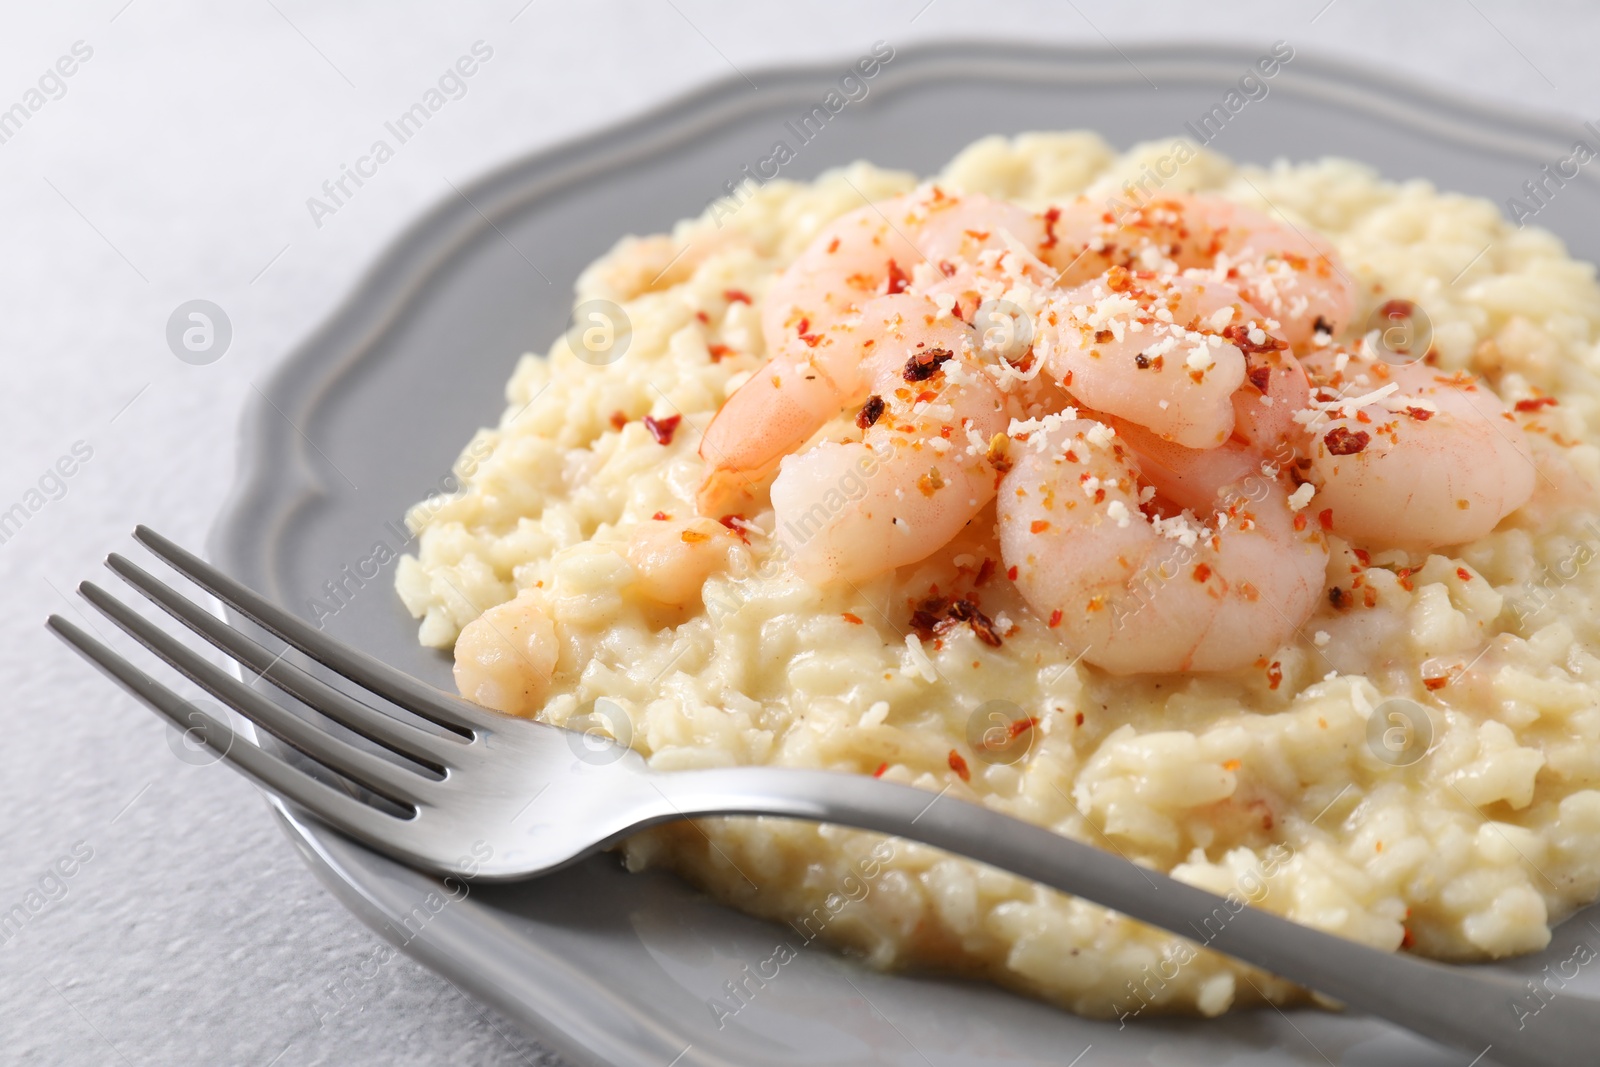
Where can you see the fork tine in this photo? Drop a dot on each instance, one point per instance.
(397, 686)
(372, 771)
(338, 809)
(400, 737)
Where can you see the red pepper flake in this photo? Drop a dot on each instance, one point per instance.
(1397, 309)
(663, 428)
(1202, 572)
(1325, 518)
(1464, 574)
(1274, 675)
(870, 412)
(1119, 279)
(1078, 719)
(1342, 441)
(736, 524)
(1535, 403)
(881, 768)
(703, 317)
(1337, 597)
(1433, 684)
(803, 329)
(959, 765)
(1364, 556)
(1055, 619)
(924, 365)
(719, 352)
(661, 516)
(1420, 414)
(1404, 574)
(1022, 726)
(898, 280)
(833, 246)
(1299, 522)
(852, 618)
(1407, 939)
(1260, 377)
(1039, 526)
(1011, 572)
(966, 611)
(618, 420)
(985, 571)
(1239, 336)
(1051, 217)
(736, 296)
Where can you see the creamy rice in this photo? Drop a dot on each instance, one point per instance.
(1266, 782)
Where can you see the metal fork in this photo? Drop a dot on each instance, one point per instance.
(459, 790)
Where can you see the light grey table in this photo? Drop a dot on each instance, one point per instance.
(175, 163)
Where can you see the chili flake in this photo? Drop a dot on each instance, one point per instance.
(870, 412)
(924, 365)
(663, 428)
(1342, 441)
(898, 280)
(1239, 336)
(959, 765)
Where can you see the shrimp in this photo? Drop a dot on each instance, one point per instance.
(786, 402)
(1163, 352)
(1085, 239)
(506, 657)
(1411, 457)
(672, 559)
(1275, 389)
(1134, 593)
(1290, 274)
(851, 510)
(808, 320)
(873, 250)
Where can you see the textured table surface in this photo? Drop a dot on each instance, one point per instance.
(174, 163)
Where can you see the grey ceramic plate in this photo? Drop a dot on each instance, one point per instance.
(366, 418)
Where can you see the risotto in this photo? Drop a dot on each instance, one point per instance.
(1394, 738)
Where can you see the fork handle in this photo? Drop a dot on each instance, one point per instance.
(1457, 1006)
